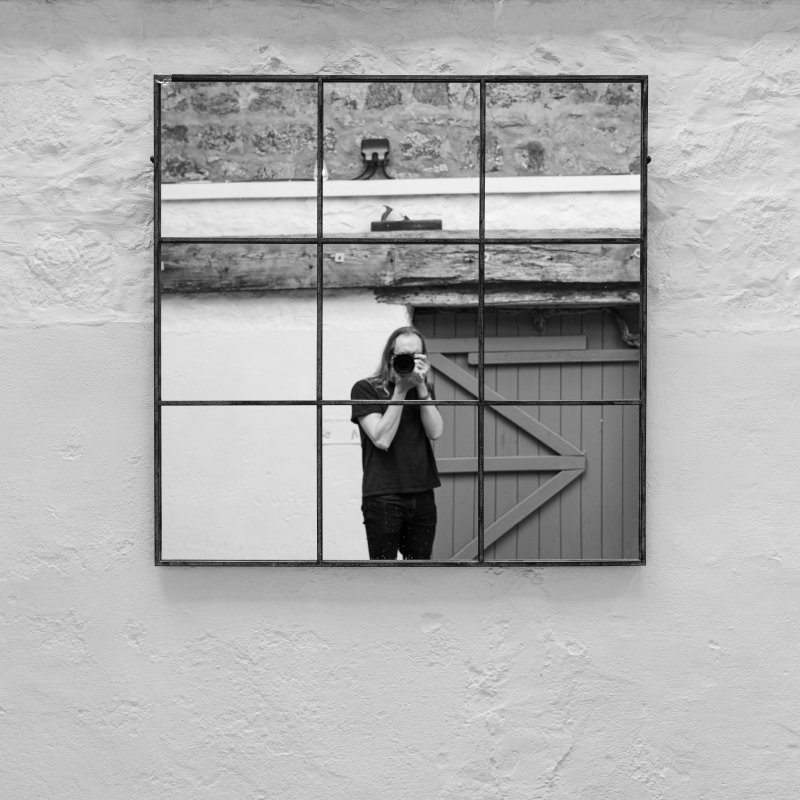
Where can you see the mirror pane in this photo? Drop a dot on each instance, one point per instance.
(423, 137)
(563, 159)
(238, 322)
(238, 483)
(238, 158)
(415, 500)
(561, 323)
(372, 290)
(561, 482)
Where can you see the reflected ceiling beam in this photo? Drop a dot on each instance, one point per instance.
(398, 272)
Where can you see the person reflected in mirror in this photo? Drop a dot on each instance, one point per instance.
(399, 468)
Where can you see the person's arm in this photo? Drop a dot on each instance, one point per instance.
(431, 418)
(381, 428)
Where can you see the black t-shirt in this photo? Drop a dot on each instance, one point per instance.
(408, 465)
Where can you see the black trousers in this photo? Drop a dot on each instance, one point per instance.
(400, 522)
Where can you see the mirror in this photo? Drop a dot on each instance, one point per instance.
(288, 433)
(238, 322)
(369, 290)
(563, 159)
(562, 483)
(401, 158)
(561, 322)
(360, 525)
(238, 158)
(236, 486)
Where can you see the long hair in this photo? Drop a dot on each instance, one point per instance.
(381, 376)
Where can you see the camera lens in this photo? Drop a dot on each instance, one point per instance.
(403, 364)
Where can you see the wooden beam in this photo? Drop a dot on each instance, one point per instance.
(557, 357)
(450, 466)
(191, 268)
(519, 264)
(429, 267)
(510, 343)
(524, 297)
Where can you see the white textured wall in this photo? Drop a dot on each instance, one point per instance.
(674, 680)
(352, 215)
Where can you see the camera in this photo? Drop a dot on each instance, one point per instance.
(403, 363)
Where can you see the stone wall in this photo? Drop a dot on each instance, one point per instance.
(238, 132)
(268, 131)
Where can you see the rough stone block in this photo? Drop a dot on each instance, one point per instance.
(174, 133)
(218, 138)
(344, 98)
(286, 139)
(286, 98)
(217, 105)
(417, 146)
(621, 94)
(532, 157)
(435, 94)
(383, 95)
(179, 169)
(470, 158)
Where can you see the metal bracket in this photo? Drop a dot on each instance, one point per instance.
(375, 155)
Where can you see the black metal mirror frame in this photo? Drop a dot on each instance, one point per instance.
(480, 241)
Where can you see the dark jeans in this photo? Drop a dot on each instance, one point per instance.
(404, 522)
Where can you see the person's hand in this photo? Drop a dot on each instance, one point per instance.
(421, 368)
(415, 378)
(402, 383)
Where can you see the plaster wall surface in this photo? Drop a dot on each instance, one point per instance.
(676, 679)
(298, 217)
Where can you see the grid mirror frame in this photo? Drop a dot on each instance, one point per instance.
(484, 401)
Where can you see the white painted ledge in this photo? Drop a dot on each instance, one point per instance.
(258, 190)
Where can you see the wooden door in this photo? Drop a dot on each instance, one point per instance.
(560, 481)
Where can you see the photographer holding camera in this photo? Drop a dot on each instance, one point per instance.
(399, 467)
